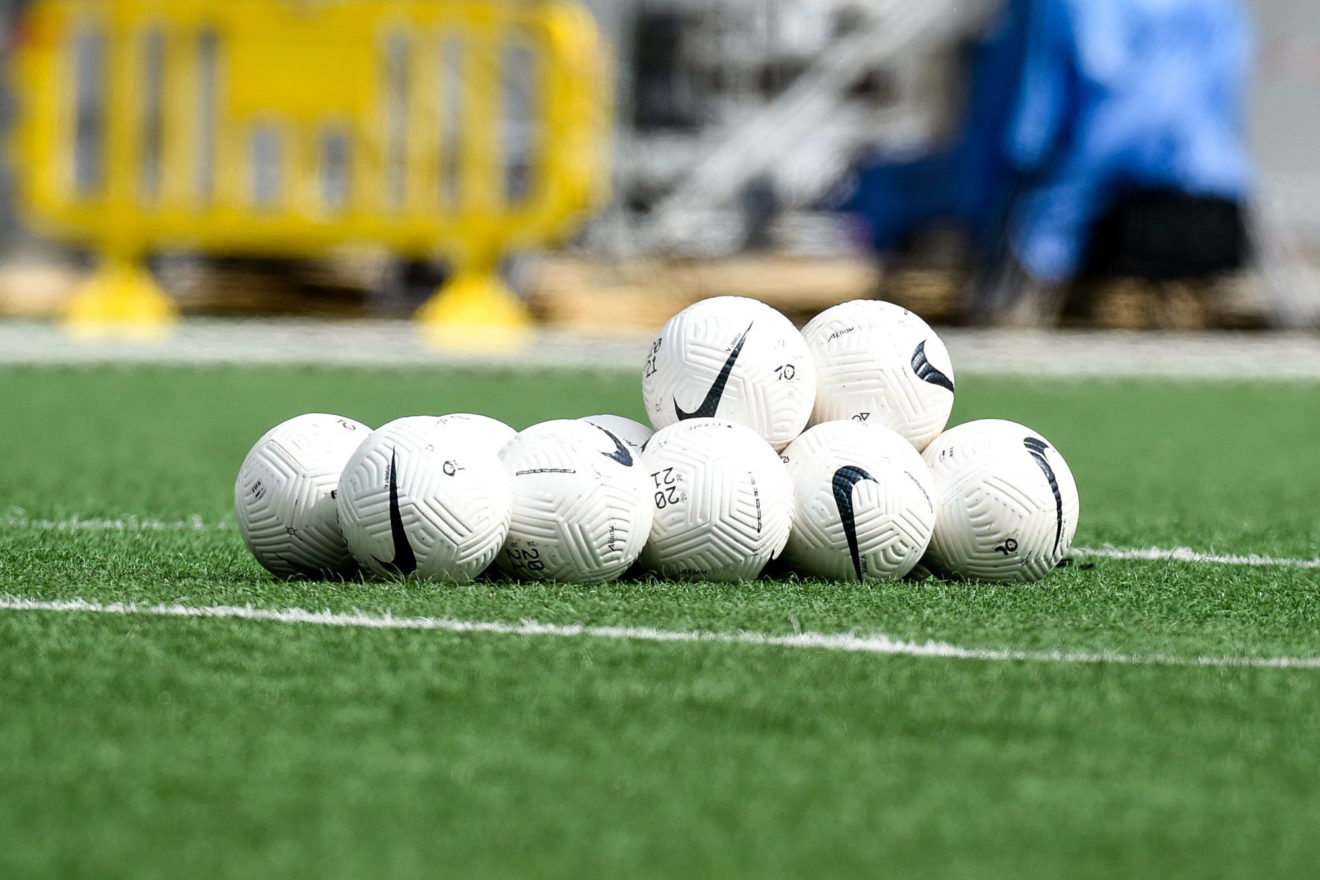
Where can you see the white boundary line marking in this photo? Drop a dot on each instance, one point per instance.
(1186, 554)
(1061, 354)
(194, 523)
(876, 644)
(16, 519)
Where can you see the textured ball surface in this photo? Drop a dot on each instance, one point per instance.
(881, 364)
(733, 358)
(635, 434)
(483, 430)
(284, 495)
(424, 496)
(581, 510)
(863, 505)
(1006, 504)
(723, 501)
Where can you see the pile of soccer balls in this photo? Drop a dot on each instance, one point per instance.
(826, 447)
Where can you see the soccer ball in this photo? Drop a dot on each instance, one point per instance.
(734, 358)
(862, 502)
(423, 495)
(284, 496)
(881, 364)
(723, 501)
(1005, 503)
(581, 509)
(635, 434)
(483, 430)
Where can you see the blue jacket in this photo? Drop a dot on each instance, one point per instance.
(1070, 103)
(1117, 94)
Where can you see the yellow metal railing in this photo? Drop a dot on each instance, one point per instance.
(293, 127)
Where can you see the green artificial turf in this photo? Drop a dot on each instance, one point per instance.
(149, 747)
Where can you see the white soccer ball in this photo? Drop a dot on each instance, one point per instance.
(635, 434)
(881, 364)
(733, 358)
(1005, 503)
(284, 496)
(581, 509)
(863, 503)
(723, 501)
(424, 496)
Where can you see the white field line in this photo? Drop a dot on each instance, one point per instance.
(853, 643)
(394, 343)
(15, 519)
(1186, 554)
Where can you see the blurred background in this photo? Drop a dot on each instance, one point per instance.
(596, 166)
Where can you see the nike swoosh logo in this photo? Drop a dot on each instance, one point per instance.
(926, 371)
(404, 562)
(712, 401)
(620, 453)
(844, 479)
(1037, 447)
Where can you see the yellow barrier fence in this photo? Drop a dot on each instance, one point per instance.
(460, 128)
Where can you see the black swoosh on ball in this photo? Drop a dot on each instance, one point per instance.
(712, 401)
(844, 479)
(926, 371)
(404, 562)
(1037, 447)
(620, 453)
